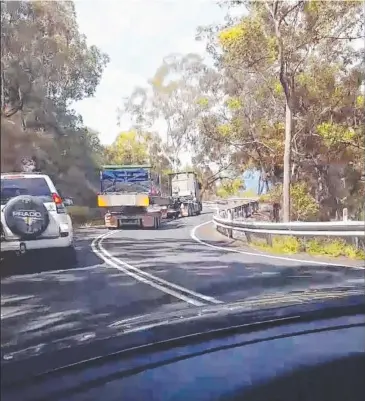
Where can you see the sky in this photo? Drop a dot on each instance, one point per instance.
(137, 35)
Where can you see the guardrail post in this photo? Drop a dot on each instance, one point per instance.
(230, 217)
(276, 212)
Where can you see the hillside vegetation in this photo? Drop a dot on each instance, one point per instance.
(46, 64)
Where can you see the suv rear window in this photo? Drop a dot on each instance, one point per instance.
(13, 187)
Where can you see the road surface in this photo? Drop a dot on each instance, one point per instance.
(46, 306)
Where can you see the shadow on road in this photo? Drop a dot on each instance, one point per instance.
(56, 309)
(51, 259)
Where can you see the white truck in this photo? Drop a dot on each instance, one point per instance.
(185, 189)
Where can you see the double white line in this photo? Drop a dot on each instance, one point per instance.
(184, 294)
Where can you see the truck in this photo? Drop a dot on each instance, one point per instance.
(130, 197)
(184, 189)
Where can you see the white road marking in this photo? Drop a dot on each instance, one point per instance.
(144, 277)
(263, 255)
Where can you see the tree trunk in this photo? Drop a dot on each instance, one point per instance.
(287, 159)
(259, 190)
(287, 83)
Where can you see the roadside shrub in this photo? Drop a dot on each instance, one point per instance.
(303, 205)
(286, 244)
(248, 193)
(353, 253)
(79, 214)
(265, 198)
(316, 247)
(334, 248)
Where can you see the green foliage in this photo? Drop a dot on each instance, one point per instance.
(303, 203)
(289, 245)
(333, 134)
(333, 248)
(278, 89)
(203, 102)
(320, 81)
(229, 187)
(280, 245)
(249, 193)
(46, 65)
(128, 148)
(225, 130)
(303, 207)
(265, 198)
(248, 40)
(234, 103)
(316, 247)
(360, 102)
(70, 69)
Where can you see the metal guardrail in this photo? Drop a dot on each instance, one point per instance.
(222, 202)
(233, 219)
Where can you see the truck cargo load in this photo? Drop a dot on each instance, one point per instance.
(130, 196)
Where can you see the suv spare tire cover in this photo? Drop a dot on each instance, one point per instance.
(26, 216)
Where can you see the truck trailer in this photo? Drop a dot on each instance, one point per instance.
(184, 189)
(131, 197)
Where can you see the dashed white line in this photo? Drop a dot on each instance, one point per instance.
(167, 287)
(262, 255)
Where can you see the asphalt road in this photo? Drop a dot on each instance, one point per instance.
(120, 275)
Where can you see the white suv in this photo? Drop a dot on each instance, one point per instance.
(33, 215)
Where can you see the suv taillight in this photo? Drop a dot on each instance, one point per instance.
(60, 207)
